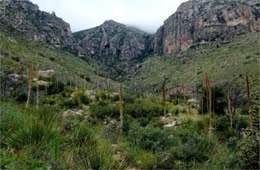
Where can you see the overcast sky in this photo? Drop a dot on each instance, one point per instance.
(147, 15)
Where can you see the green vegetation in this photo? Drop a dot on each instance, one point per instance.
(17, 52)
(78, 127)
(226, 64)
(61, 136)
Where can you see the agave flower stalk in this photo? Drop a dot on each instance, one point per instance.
(209, 103)
(249, 103)
(29, 84)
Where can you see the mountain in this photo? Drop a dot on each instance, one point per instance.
(25, 18)
(113, 42)
(202, 21)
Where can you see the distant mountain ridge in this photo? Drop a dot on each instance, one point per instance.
(112, 42)
(195, 22)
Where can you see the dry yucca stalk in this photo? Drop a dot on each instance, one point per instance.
(121, 108)
(30, 74)
(249, 103)
(164, 98)
(209, 103)
(202, 94)
(97, 84)
(229, 108)
(183, 92)
(37, 86)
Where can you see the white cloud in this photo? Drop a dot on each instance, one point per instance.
(147, 15)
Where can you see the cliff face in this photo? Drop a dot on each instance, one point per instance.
(112, 42)
(24, 17)
(200, 21)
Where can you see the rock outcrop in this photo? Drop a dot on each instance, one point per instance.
(112, 42)
(200, 21)
(25, 18)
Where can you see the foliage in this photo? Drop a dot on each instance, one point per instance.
(102, 110)
(148, 138)
(248, 152)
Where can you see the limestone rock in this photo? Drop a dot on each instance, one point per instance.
(25, 18)
(200, 21)
(14, 77)
(47, 74)
(43, 83)
(112, 42)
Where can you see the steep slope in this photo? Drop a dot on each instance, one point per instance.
(24, 18)
(16, 52)
(113, 42)
(201, 21)
(227, 63)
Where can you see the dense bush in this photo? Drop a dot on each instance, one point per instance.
(248, 151)
(102, 110)
(148, 138)
(144, 108)
(189, 148)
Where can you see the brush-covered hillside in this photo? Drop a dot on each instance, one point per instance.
(226, 60)
(69, 70)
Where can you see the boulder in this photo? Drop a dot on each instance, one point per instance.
(47, 74)
(43, 83)
(69, 113)
(14, 77)
(91, 94)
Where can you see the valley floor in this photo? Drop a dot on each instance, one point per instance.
(73, 130)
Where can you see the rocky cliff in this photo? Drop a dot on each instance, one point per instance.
(24, 17)
(112, 41)
(200, 21)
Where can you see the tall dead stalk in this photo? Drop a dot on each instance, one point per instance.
(121, 108)
(229, 108)
(210, 103)
(164, 98)
(29, 84)
(249, 103)
(202, 98)
(37, 86)
(97, 88)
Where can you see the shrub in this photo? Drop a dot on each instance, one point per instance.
(80, 97)
(55, 87)
(189, 147)
(146, 160)
(175, 110)
(248, 152)
(102, 110)
(144, 109)
(148, 138)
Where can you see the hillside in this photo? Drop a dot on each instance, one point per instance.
(227, 61)
(17, 52)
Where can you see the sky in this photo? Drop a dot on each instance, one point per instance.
(147, 15)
